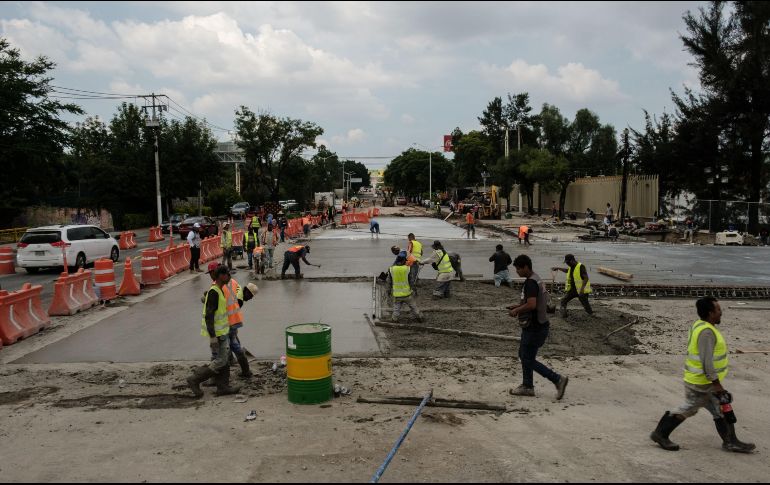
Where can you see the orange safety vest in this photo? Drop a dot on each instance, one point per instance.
(523, 230)
(469, 217)
(232, 291)
(410, 260)
(296, 249)
(258, 251)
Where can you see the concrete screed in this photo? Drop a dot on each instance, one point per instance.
(67, 419)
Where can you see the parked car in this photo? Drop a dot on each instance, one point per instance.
(209, 226)
(239, 209)
(42, 247)
(176, 219)
(288, 205)
(400, 200)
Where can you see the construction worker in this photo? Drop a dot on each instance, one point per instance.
(270, 239)
(502, 261)
(194, 240)
(216, 327)
(255, 222)
(705, 368)
(292, 257)
(524, 235)
(226, 243)
(441, 263)
(533, 320)
(414, 248)
(306, 225)
(471, 227)
(409, 261)
(250, 241)
(260, 259)
(374, 227)
(401, 285)
(577, 285)
(235, 296)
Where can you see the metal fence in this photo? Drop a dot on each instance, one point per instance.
(718, 215)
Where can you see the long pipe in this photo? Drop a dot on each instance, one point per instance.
(381, 469)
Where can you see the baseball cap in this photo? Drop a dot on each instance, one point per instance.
(196, 225)
(213, 267)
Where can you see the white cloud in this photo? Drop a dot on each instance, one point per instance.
(352, 136)
(407, 119)
(572, 82)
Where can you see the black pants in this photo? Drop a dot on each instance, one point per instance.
(195, 256)
(572, 294)
(530, 343)
(290, 260)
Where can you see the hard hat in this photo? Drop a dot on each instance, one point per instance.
(213, 267)
(252, 288)
(197, 226)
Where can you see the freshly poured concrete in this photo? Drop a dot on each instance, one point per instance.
(396, 228)
(167, 327)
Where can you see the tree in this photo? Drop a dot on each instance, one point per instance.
(32, 134)
(732, 54)
(270, 144)
(358, 170)
(653, 153)
(473, 154)
(514, 116)
(408, 172)
(187, 158)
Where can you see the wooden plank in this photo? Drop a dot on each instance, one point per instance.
(741, 351)
(620, 328)
(446, 331)
(749, 307)
(615, 273)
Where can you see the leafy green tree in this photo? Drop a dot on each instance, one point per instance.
(653, 153)
(473, 153)
(408, 172)
(270, 145)
(187, 158)
(32, 134)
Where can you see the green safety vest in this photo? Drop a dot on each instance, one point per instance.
(417, 249)
(247, 238)
(693, 369)
(578, 280)
(221, 323)
(227, 239)
(444, 265)
(255, 222)
(400, 276)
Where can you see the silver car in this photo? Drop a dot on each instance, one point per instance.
(44, 247)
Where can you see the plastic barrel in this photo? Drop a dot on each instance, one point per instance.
(309, 363)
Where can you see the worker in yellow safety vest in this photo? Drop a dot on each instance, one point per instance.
(215, 325)
(441, 263)
(255, 222)
(398, 275)
(577, 285)
(250, 241)
(226, 243)
(705, 368)
(414, 248)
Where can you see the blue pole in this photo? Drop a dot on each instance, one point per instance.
(381, 469)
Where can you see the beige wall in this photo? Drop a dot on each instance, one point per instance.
(595, 192)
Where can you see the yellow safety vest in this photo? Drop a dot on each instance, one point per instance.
(400, 276)
(233, 292)
(227, 239)
(417, 249)
(221, 324)
(693, 369)
(247, 237)
(578, 280)
(444, 265)
(255, 222)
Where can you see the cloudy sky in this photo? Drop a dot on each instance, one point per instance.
(376, 76)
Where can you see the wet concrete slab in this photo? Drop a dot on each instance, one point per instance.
(396, 228)
(167, 327)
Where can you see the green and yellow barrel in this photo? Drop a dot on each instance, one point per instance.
(309, 363)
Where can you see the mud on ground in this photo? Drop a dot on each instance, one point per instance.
(478, 306)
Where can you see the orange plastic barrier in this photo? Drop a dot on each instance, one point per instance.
(127, 241)
(186, 255)
(84, 289)
(150, 268)
(130, 285)
(156, 234)
(237, 238)
(132, 241)
(179, 260)
(72, 293)
(21, 314)
(218, 251)
(104, 279)
(164, 262)
(207, 250)
(6, 261)
(375, 212)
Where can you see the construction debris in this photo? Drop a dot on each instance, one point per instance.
(434, 402)
(621, 328)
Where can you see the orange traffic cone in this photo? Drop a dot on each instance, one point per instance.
(129, 286)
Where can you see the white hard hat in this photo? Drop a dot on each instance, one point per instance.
(197, 226)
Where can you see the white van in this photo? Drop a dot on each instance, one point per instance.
(41, 247)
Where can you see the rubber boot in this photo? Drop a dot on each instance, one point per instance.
(244, 363)
(223, 383)
(730, 442)
(666, 426)
(199, 375)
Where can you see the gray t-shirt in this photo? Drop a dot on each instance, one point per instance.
(534, 287)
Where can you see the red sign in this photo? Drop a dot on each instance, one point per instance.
(448, 143)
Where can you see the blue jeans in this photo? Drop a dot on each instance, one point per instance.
(233, 341)
(531, 341)
(503, 276)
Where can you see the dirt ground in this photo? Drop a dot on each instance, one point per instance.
(577, 334)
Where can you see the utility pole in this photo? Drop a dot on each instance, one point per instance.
(200, 198)
(624, 183)
(154, 122)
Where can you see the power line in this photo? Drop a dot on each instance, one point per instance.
(95, 92)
